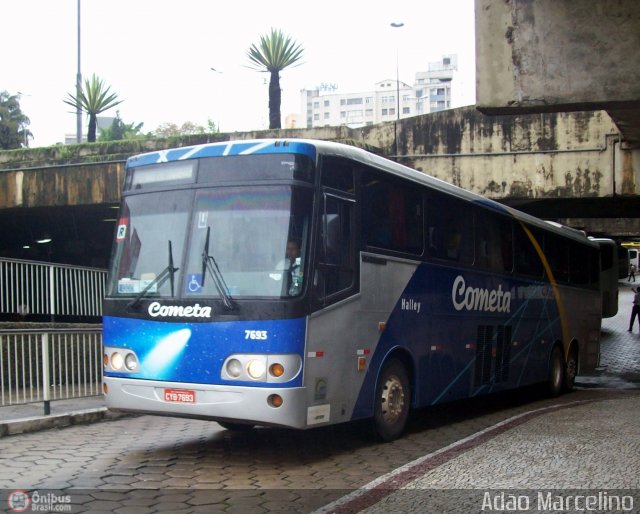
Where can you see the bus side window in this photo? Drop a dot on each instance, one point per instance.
(494, 242)
(392, 214)
(449, 229)
(338, 173)
(557, 251)
(336, 267)
(527, 260)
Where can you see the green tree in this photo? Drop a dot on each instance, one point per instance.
(13, 123)
(119, 130)
(274, 53)
(186, 129)
(93, 99)
(212, 128)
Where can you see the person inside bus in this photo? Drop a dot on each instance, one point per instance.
(291, 265)
(635, 310)
(453, 245)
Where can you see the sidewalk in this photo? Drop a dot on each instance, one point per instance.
(17, 419)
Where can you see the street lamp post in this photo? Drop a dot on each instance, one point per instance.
(397, 25)
(78, 88)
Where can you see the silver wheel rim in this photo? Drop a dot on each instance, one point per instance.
(392, 400)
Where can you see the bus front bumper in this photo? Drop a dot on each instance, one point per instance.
(249, 405)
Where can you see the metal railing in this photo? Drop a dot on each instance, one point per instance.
(38, 288)
(49, 364)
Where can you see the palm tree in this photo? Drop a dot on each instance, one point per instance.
(13, 123)
(274, 53)
(93, 99)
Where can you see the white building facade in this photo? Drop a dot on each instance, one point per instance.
(389, 100)
(433, 87)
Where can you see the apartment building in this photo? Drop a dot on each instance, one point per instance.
(389, 100)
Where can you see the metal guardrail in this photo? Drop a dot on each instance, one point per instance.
(30, 287)
(49, 364)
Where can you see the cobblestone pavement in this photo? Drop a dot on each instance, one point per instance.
(588, 448)
(151, 464)
(620, 349)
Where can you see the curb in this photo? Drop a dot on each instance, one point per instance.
(34, 424)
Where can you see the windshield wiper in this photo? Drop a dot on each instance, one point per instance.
(167, 273)
(209, 263)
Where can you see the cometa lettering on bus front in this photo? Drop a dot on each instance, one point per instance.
(478, 299)
(179, 311)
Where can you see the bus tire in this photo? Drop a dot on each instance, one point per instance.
(571, 370)
(555, 381)
(392, 401)
(235, 427)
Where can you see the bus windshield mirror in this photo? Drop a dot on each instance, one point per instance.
(209, 264)
(167, 273)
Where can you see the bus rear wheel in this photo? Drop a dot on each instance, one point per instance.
(571, 370)
(393, 396)
(556, 379)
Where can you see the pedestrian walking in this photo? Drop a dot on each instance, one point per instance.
(635, 310)
(632, 273)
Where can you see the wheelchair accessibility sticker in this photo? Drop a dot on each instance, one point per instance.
(194, 283)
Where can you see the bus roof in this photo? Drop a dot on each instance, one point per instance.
(312, 147)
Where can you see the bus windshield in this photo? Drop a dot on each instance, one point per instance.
(228, 242)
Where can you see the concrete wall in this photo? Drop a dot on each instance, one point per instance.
(89, 174)
(557, 54)
(551, 155)
(62, 186)
(536, 156)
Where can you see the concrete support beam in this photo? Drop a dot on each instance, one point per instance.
(620, 227)
(568, 55)
(65, 185)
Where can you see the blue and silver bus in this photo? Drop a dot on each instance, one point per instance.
(301, 283)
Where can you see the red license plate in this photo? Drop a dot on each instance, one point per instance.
(179, 396)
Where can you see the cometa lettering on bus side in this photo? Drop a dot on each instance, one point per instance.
(478, 299)
(179, 311)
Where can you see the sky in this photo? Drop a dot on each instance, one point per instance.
(157, 55)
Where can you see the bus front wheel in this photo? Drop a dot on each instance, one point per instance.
(393, 396)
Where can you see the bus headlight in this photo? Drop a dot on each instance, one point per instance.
(121, 360)
(116, 361)
(131, 362)
(234, 368)
(278, 368)
(256, 369)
